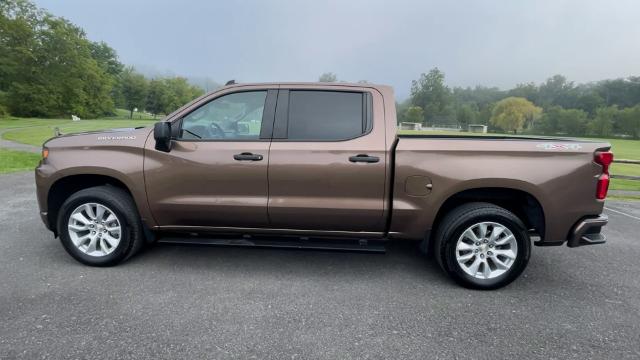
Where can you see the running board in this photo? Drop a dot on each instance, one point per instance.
(357, 245)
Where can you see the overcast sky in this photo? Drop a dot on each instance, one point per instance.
(489, 42)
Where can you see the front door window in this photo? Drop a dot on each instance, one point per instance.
(236, 116)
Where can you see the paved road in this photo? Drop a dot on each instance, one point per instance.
(12, 145)
(206, 302)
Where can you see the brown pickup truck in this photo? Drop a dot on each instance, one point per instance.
(321, 166)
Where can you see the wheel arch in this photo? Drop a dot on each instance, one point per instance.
(64, 187)
(522, 203)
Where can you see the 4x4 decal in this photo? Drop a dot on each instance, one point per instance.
(559, 146)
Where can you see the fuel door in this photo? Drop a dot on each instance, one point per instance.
(417, 185)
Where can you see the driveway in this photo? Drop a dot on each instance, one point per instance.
(238, 303)
(12, 145)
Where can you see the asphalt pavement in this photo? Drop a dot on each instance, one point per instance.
(237, 303)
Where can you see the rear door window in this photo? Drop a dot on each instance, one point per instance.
(327, 115)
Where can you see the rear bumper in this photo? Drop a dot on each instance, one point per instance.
(587, 231)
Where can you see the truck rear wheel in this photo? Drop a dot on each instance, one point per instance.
(100, 226)
(482, 246)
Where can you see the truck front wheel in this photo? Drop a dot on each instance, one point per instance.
(100, 226)
(482, 246)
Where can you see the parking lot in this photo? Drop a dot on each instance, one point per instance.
(214, 302)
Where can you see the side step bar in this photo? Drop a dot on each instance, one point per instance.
(357, 245)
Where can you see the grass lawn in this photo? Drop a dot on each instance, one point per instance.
(12, 122)
(124, 115)
(36, 131)
(625, 169)
(623, 197)
(11, 161)
(44, 130)
(625, 149)
(622, 184)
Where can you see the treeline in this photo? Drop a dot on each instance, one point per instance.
(48, 68)
(555, 107)
(156, 96)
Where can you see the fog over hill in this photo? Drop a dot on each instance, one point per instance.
(493, 42)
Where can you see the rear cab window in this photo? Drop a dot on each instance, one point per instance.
(319, 115)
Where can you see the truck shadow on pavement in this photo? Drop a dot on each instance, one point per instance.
(401, 263)
(402, 259)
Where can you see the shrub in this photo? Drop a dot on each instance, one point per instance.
(3, 111)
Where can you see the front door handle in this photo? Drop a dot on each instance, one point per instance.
(364, 158)
(247, 156)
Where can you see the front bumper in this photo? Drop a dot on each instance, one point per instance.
(587, 231)
(44, 216)
(42, 175)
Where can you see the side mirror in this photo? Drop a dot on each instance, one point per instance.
(162, 135)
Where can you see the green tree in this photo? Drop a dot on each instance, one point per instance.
(166, 95)
(18, 25)
(484, 116)
(179, 92)
(549, 123)
(328, 77)
(134, 90)
(414, 114)
(629, 121)
(589, 102)
(512, 113)
(465, 115)
(622, 92)
(557, 120)
(602, 123)
(46, 66)
(573, 122)
(3, 110)
(557, 90)
(156, 97)
(481, 96)
(528, 91)
(106, 57)
(431, 94)
(401, 109)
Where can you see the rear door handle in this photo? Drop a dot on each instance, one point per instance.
(247, 156)
(364, 158)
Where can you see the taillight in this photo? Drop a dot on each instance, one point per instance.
(603, 158)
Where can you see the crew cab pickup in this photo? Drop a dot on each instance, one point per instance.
(321, 165)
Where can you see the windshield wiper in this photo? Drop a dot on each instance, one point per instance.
(192, 133)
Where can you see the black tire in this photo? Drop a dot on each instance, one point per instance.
(460, 219)
(120, 202)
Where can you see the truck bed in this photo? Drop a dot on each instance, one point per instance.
(559, 174)
(472, 136)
